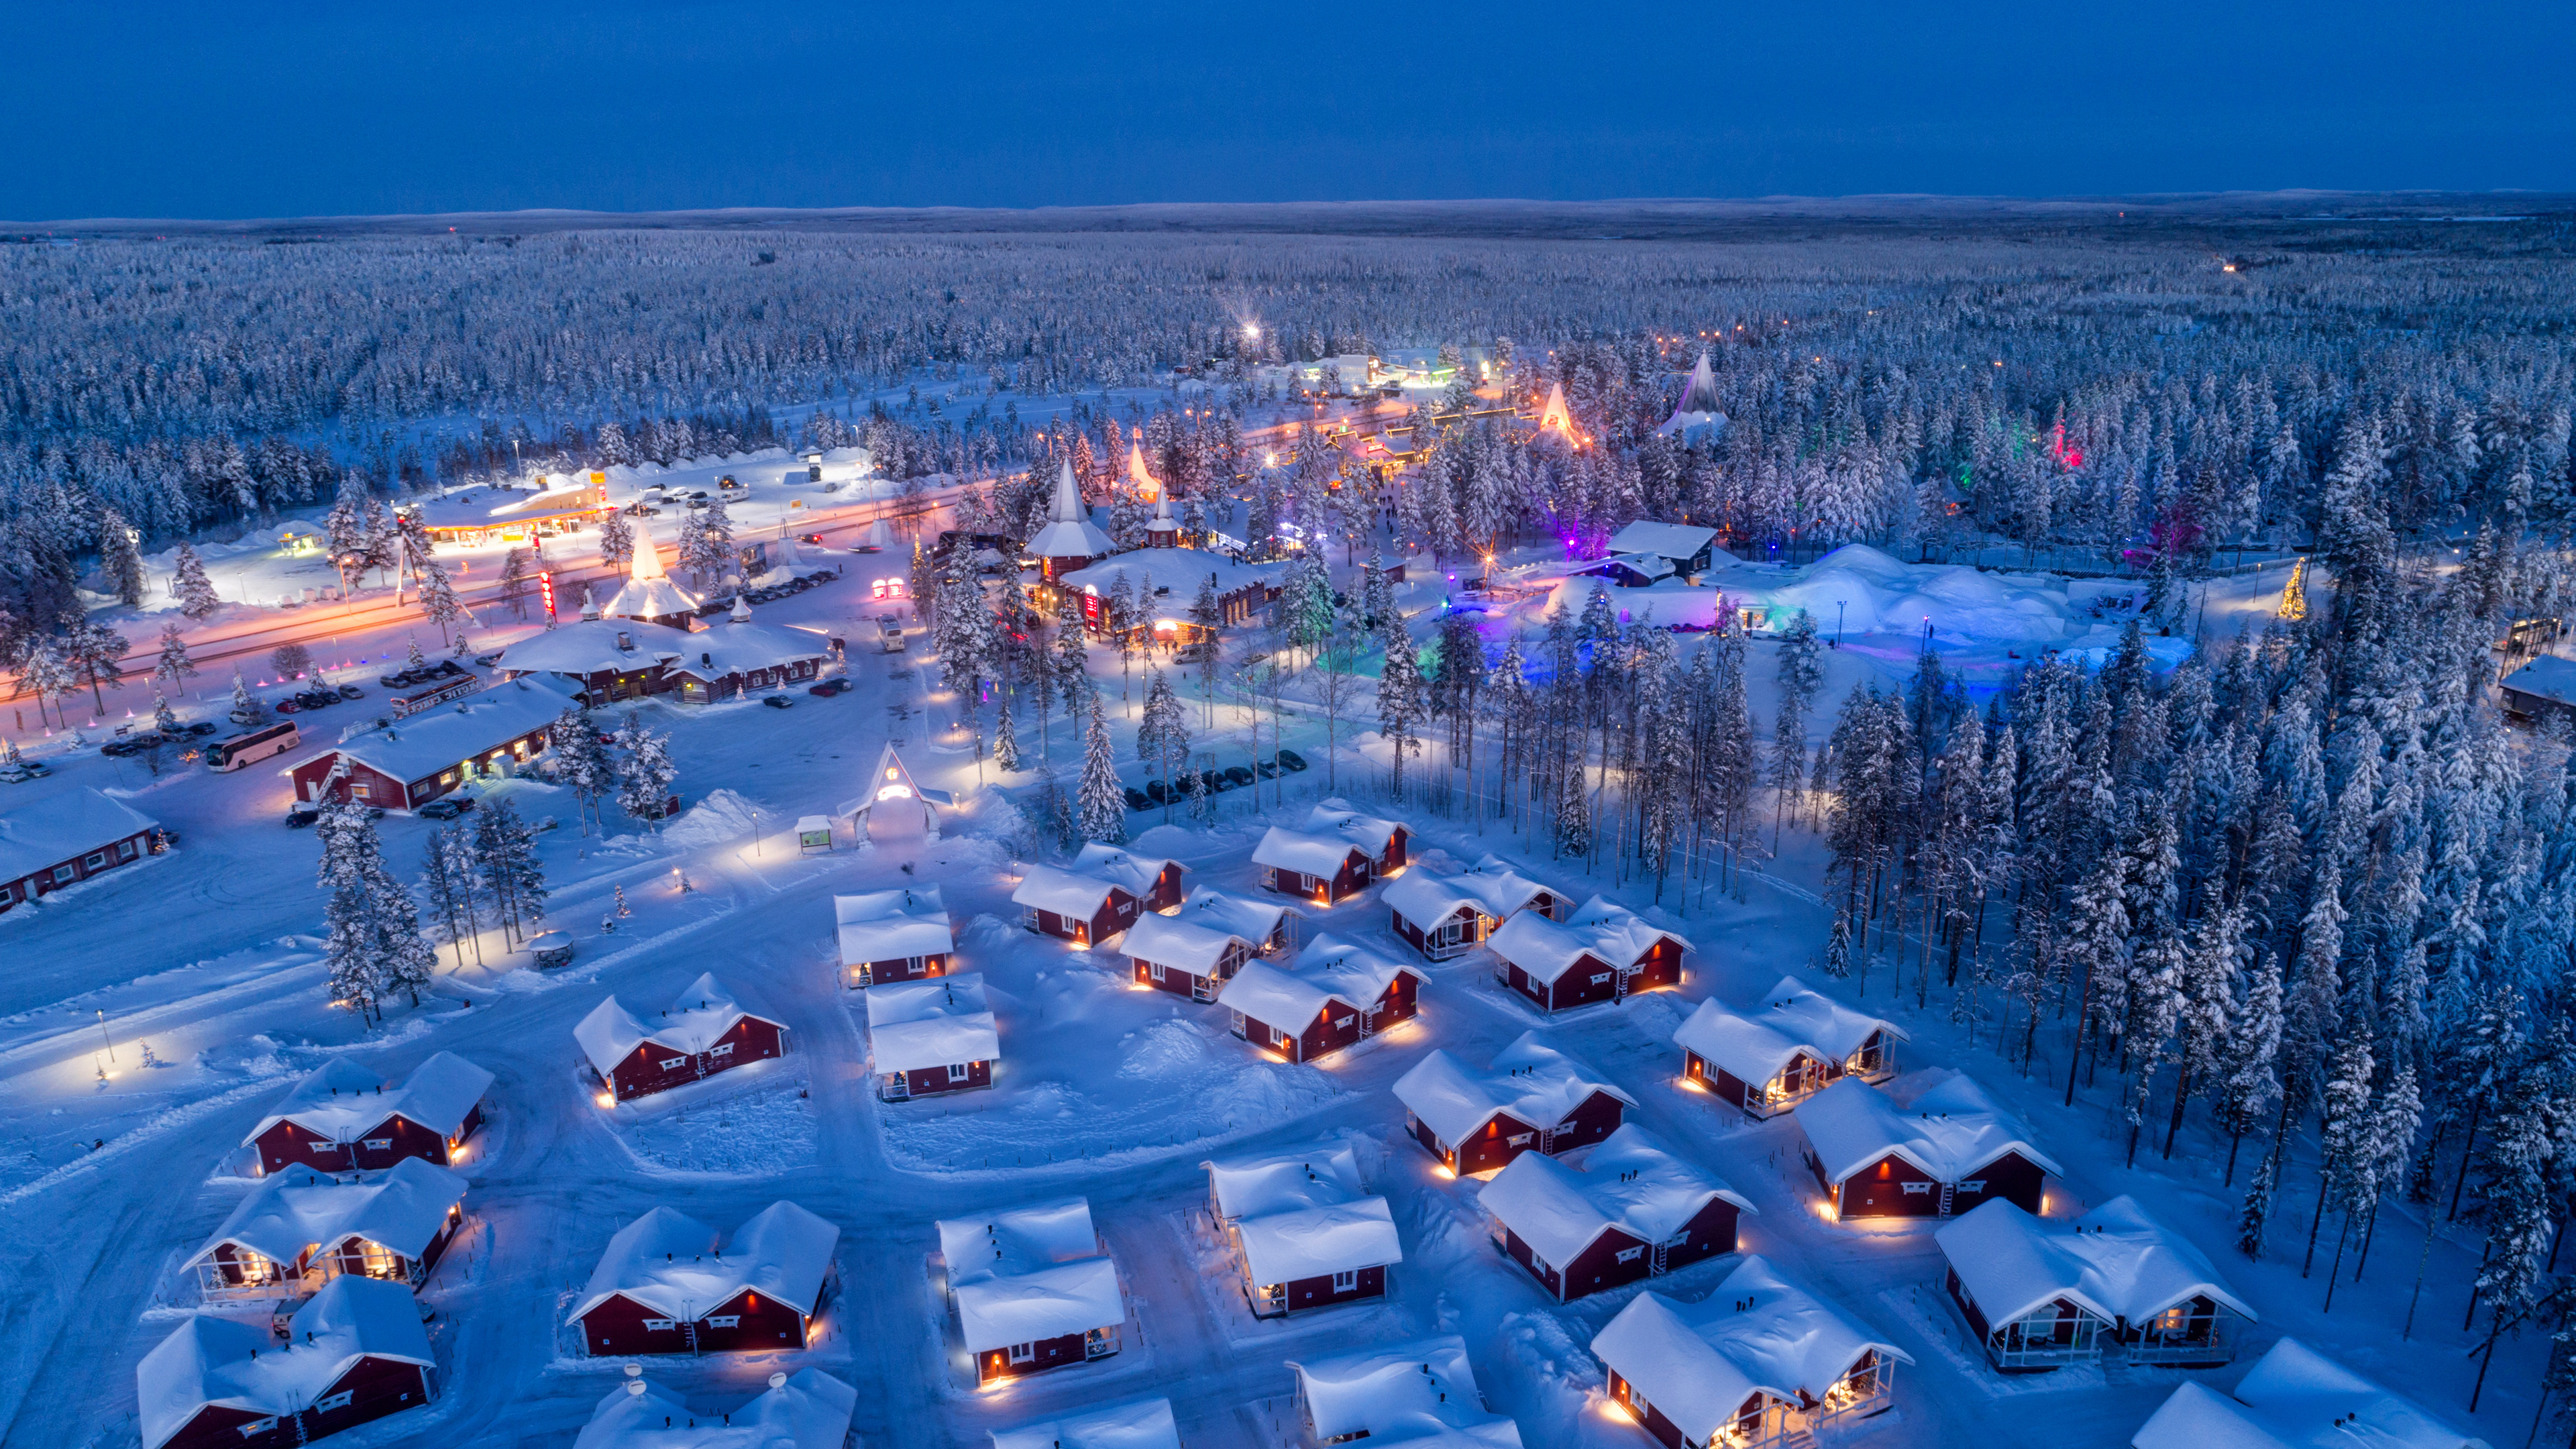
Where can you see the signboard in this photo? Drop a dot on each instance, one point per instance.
(437, 693)
(546, 591)
(1090, 610)
(598, 489)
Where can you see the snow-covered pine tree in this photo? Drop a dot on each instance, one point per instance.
(188, 581)
(247, 711)
(2343, 1145)
(438, 601)
(1573, 810)
(1072, 679)
(449, 886)
(514, 582)
(119, 559)
(1163, 736)
(173, 666)
(1838, 947)
(644, 770)
(580, 761)
(1006, 735)
(1402, 705)
(506, 848)
(616, 541)
(412, 657)
(163, 719)
(1100, 804)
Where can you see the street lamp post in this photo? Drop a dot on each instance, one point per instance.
(103, 1036)
(1838, 623)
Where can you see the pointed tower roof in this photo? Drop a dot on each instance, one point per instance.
(1145, 482)
(1701, 395)
(1066, 504)
(649, 592)
(1163, 530)
(1554, 414)
(647, 561)
(1071, 534)
(589, 603)
(741, 611)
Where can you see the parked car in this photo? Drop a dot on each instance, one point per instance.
(302, 813)
(779, 701)
(446, 808)
(288, 706)
(488, 660)
(14, 775)
(809, 538)
(1157, 791)
(351, 691)
(1267, 769)
(830, 687)
(1293, 760)
(1136, 799)
(1238, 776)
(1214, 782)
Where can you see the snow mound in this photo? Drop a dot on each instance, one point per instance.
(988, 933)
(1169, 841)
(720, 817)
(1164, 1049)
(754, 1134)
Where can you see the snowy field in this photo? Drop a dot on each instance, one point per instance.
(149, 1018)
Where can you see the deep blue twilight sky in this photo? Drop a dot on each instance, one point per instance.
(295, 107)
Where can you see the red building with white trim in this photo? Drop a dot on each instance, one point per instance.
(702, 1033)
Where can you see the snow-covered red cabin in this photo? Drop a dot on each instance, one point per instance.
(1602, 952)
(1085, 909)
(1424, 1391)
(1263, 923)
(2041, 1294)
(1445, 914)
(738, 656)
(702, 1032)
(932, 1036)
(1070, 539)
(1305, 1232)
(1033, 1287)
(1321, 868)
(1773, 1056)
(1762, 1361)
(1384, 841)
(357, 1353)
(345, 1118)
(1150, 879)
(604, 659)
(1530, 1098)
(1135, 1424)
(669, 1284)
(1948, 1148)
(66, 838)
(1334, 994)
(896, 935)
(1633, 1211)
(1184, 956)
(413, 761)
(299, 1229)
(808, 1409)
(2297, 1398)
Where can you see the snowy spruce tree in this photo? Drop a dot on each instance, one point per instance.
(644, 770)
(1100, 804)
(188, 581)
(247, 712)
(119, 560)
(172, 668)
(1006, 735)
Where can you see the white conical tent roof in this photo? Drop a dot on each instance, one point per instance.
(647, 562)
(741, 611)
(880, 536)
(648, 592)
(1701, 395)
(1071, 534)
(589, 603)
(1554, 414)
(1145, 482)
(1066, 505)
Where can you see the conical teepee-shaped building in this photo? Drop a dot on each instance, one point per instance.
(1553, 416)
(1070, 539)
(1697, 415)
(649, 594)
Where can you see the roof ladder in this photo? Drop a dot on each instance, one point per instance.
(1947, 1191)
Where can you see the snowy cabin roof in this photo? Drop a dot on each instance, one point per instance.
(228, 1363)
(810, 1410)
(1301, 1213)
(1254, 921)
(916, 1025)
(1673, 542)
(1755, 1044)
(892, 925)
(64, 826)
(2297, 1398)
(343, 1101)
(1305, 853)
(1179, 941)
(672, 1263)
(1067, 1298)
(421, 745)
(1069, 532)
(694, 1021)
(1534, 1082)
(1140, 1424)
(1312, 1175)
(1138, 873)
(738, 646)
(294, 1209)
(590, 646)
(1491, 888)
(1336, 817)
(1018, 1241)
(1065, 892)
(1546, 950)
(1949, 1130)
(2116, 1262)
(1180, 570)
(1759, 1331)
(1422, 1392)
(1330, 969)
(1631, 1182)
(1647, 566)
(2547, 677)
(648, 592)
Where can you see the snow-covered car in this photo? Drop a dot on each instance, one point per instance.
(1237, 776)
(1292, 760)
(779, 701)
(1158, 792)
(301, 814)
(203, 727)
(14, 775)
(446, 809)
(1136, 799)
(488, 660)
(1267, 769)
(351, 691)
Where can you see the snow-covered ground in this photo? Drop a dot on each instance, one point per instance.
(199, 971)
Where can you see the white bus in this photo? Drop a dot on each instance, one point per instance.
(240, 750)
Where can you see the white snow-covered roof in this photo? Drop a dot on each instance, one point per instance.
(1405, 1393)
(2548, 677)
(1758, 1332)
(1018, 1241)
(1546, 950)
(648, 592)
(2115, 1262)
(402, 1208)
(1065, 892)
(2297, 1398)
(916, 1025)
(672, 1263)
(63, 826)
(1178, 569)
(1671, 541)
(891, 925)
(1649, 565)
(447, 735)
(739, 646)
(1534, 1082)
(693, 1022)
(1304, 852)
(1756, 1043)
(1329, 969)
(1949, 1130)
(811, 1410)
(1180, 941)
(590, 646)
(343, 1101)
(1336, 817)
(1138, 873)
(231, 1364)
(1313, 1242)
(1140, 1424)
(1255, 921)
(1491, 888)
(1631, 1182)
(1314, 1174)
(1069, 533)
(1050, 1302)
